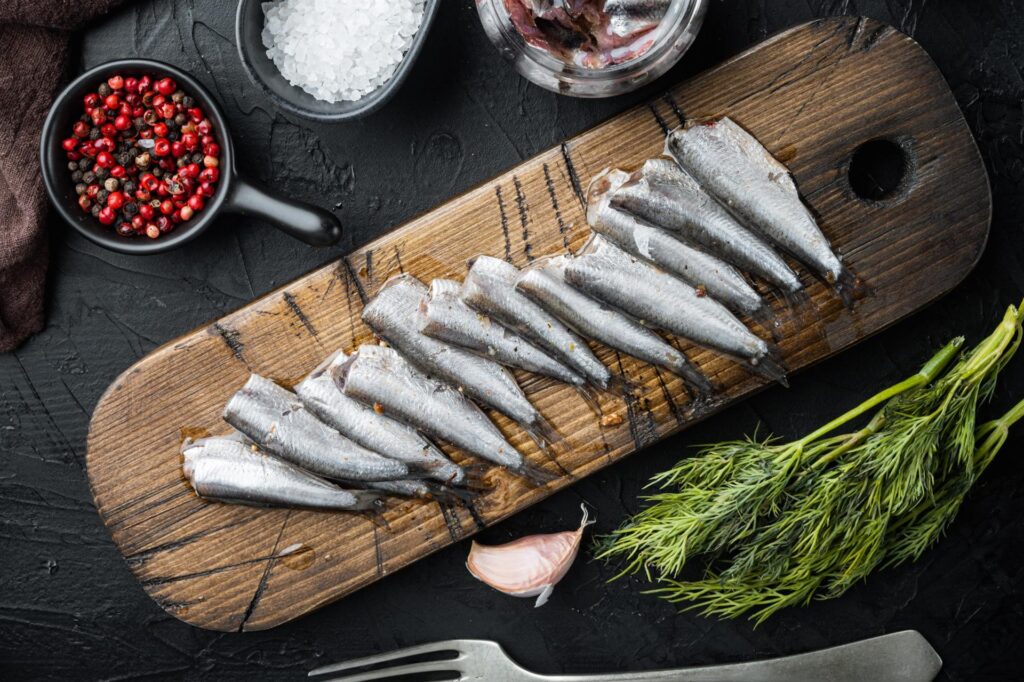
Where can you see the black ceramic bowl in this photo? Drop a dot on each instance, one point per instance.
(311, 224)
(263, 72)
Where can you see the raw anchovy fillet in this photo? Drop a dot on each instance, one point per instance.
(665, 196)
(321, 396)
(740, 172)
(722, 281)
(229, 470)
(275, 419)
(490, 287)
(393, 315)
(544, 282)
(444, 316)
(380, 376)
(661, 300)
(628, 17)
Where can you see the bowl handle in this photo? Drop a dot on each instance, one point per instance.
(305, 222)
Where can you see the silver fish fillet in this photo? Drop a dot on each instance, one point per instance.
(229, 470)
(275, 419)
(393, 315)
(490, 287)
(722, 281)
(663, 195)
(661, 300)
(544, 282)
(321, 396)
(444, 316)
(627, 17)
(739, 171)
(380, 376)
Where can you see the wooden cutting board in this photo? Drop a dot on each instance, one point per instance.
(813, 95)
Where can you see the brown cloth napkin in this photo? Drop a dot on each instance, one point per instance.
(34, 38)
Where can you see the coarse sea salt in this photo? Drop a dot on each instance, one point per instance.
(339, 50)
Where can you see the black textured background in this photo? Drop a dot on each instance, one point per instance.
(69, 607)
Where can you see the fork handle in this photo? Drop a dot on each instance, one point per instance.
(900, 657)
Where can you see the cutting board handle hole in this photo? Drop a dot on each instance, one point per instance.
(878, 169)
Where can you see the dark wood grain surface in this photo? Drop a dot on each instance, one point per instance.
(814, 95)
(70, 608)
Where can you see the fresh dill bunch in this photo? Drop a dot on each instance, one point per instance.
(781, 523)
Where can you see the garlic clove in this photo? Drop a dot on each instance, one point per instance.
(530, 566)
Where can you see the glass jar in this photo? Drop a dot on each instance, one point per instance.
(672, 37)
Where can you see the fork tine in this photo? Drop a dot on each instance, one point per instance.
(396, 671)
(397, 654)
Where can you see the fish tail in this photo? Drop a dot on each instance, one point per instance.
(698, 385)
(589, 396)
(619, 385)
(543, 433)
(451, 495)
(475, 479)
(795, 300)
(535, 475)
(849, 288)
(765, 317)
(375, 514)
(770, 368)
(547, 438)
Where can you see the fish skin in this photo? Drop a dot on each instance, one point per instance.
(756, 187)
(227, 469)
(544, 282)
(657, 246)
(661, 300)
(490, 288)
(360, 423)
(444, 316)
(377, 375)
(393, 314)
(663, 195)
(629, 17)
(275, 419)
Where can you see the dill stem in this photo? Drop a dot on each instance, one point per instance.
(926, 374)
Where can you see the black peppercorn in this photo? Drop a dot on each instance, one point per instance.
(172, 136)
(80, 188)
(131, 209)
(76, 176)
(188, 102)
(102, 173)
(95, 210)
(177, 96)
(180, 120)
(158, 171)
(94, 134)
(101, 197)
(133, 152)
(85, 163)
(139, 123)
(128, 186)
(103, 90)
(72, 165)
(197, 157)
(88, 177)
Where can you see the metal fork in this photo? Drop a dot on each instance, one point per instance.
(899, 657)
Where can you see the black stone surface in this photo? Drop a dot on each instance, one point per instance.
(69, 607)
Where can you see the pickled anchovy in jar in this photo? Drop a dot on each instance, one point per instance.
(592, 34)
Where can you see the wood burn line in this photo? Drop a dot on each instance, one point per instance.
(293, 305)
(574, 179)
(524, 219)
(504, 223)
(563, 229)
(265, 578)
